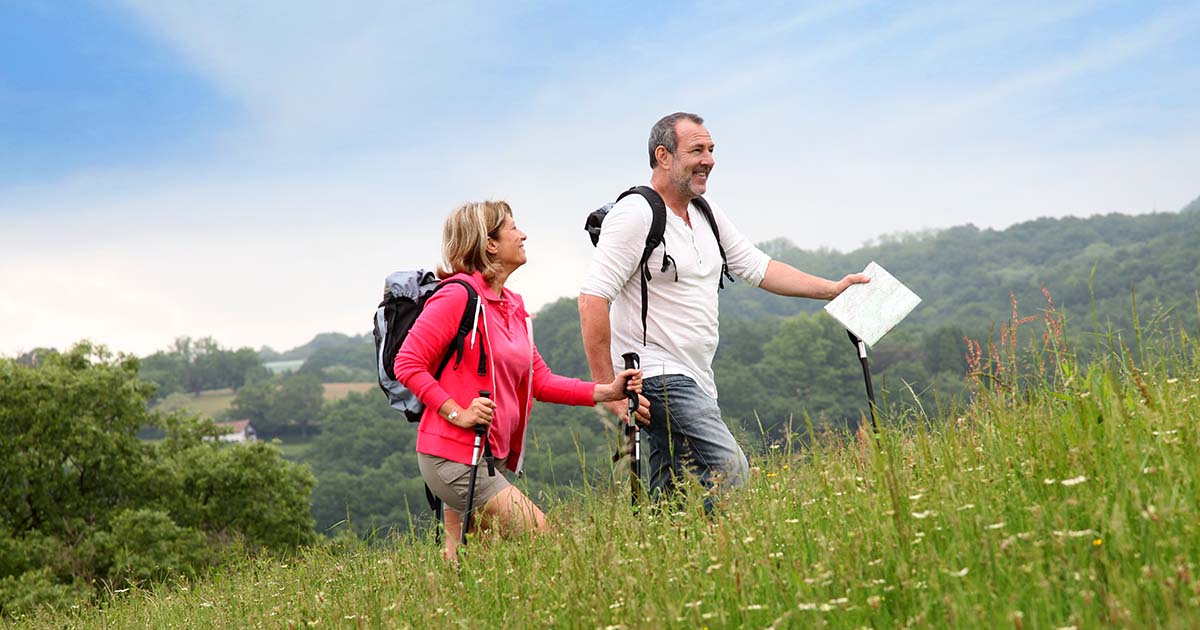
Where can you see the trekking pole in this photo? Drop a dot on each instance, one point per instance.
(633, 433)
(480, 432)
(862, 356)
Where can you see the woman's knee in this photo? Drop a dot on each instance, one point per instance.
(514, 512)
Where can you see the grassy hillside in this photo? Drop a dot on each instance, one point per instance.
(1061, 497)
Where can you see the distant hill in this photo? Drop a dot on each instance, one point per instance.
(964, 274)
(323, 341)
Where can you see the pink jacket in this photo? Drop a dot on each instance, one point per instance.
(427, 342)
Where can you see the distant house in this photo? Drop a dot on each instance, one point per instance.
(237, 431)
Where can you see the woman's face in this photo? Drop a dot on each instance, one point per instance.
(508, 247)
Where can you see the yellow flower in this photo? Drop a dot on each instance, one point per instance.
(1098, 542)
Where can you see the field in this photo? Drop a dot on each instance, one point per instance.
(1062, 497)
(212, 402)
(337, 391)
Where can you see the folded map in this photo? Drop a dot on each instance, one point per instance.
(870, 310)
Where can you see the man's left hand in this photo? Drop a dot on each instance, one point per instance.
(854, 278)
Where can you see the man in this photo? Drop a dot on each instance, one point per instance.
(684, 428)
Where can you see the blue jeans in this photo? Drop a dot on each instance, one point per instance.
(686, 432)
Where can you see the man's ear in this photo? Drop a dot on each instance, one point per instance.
(663, 156)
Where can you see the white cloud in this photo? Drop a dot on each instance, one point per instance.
(344, 166)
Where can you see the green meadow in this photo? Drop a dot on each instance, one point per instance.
(1061, 496)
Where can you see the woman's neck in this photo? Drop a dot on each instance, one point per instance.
(496, 284)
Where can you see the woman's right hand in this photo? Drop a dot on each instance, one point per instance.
(479, 412)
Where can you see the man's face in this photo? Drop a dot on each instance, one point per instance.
(693, 159)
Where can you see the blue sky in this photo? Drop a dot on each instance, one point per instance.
(215, 168)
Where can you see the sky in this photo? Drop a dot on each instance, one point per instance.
(253, 171)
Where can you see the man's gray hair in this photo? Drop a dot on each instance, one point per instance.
(663, 133)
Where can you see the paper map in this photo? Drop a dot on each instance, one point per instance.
(870, 310)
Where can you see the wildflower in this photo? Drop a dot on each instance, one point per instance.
(1074, 481)
(806, 606)
(711, 568)
(792, 520)
(960, 573)
(875, 562)
(1085, 394)
(996, 525)
(616, 627)
(839, 601)
(874, 601)
(1148, 470)
(914, 497)
(747, 540)
(1172, 381)
(1049, 482)
(925, 514)
(776, 555)
(206, 604)
(968, 506)
(617, 604)
(774, 446)
(695, 604)
(1097, 542)
(754, 607)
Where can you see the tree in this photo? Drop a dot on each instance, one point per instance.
(84, 502)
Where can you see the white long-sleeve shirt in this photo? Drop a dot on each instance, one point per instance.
(681, 321)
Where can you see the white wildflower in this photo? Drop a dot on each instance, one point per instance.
(914, 497)
(1074, 481)
(960, 573)
(996, 525)
(747, 540)
(695, 604)
(711, 568)
(793, 521)
(925, 514)
(1049, 482)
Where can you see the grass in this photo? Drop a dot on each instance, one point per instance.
(1064, 498)
(208, 403)
(295, 450)
(338, 391)
(214, 401)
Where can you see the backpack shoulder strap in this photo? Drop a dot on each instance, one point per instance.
(465, 324)
(706, 210)
(654, 238)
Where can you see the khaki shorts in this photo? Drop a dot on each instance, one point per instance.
(450, 480)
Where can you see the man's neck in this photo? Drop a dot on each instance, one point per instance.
(676, 201)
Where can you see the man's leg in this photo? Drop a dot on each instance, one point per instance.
(686, 429)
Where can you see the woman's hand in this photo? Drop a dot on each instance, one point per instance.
(479, 412)
(628, 379)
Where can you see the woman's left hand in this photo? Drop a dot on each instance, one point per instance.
(626, 380)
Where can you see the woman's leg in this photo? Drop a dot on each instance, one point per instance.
(452, 532)
(511, 512)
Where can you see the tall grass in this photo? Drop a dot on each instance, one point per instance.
(1062, 496)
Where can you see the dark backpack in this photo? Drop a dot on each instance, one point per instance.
(404, 297)
(658, 226)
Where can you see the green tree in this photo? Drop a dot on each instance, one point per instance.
(83, 502)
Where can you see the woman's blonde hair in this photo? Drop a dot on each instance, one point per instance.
(465, 237)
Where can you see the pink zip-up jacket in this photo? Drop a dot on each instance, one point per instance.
(515, 377)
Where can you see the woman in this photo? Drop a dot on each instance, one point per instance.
(482, 246)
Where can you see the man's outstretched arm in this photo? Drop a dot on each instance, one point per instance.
(784, 279)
